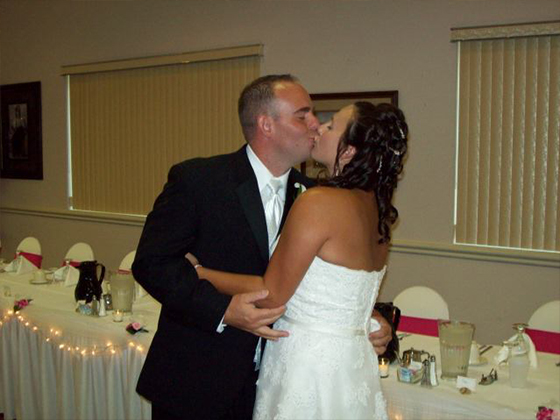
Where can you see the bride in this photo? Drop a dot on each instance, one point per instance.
(327, 269)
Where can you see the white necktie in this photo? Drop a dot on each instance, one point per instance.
(273, 206)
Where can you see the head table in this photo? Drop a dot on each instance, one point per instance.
(496, 401)
(58, 364)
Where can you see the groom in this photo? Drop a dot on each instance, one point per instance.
(201, 361)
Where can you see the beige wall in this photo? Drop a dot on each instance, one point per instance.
(333, 46)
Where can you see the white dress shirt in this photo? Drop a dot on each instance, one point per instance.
(263, 176)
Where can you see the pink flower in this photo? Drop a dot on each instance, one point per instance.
(22, 303)
(135, 327)
(546, 413)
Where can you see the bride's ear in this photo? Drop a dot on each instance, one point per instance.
(347, 155)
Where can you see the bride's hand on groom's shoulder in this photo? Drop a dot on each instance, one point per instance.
(380, 339)
(242, 313)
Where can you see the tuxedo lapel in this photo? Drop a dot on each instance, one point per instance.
(247, 190)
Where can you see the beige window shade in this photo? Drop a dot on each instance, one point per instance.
(129, 126)
(508, 143)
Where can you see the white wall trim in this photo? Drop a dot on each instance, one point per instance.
(466, 252)
(80, 215)
(433, 249)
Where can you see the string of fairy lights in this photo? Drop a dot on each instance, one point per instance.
(56, 338)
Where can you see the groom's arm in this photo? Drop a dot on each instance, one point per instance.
(161, 268)
(160, 265)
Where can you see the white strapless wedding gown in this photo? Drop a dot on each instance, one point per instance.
(326, 368)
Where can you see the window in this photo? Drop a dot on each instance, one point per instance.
(508, 156)
(131, 120)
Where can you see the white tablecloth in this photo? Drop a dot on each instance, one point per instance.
(58, 364)
(496, 401)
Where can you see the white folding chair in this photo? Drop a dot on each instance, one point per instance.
(126, 263)
(547, 317)
(31, 245)
(421, 302)
(80, 252)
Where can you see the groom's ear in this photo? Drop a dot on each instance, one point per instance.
(264, 124)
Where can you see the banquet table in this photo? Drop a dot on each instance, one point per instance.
(496, 401)
(58, 364)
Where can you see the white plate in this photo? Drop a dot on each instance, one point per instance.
(35, 281)
(481, 362)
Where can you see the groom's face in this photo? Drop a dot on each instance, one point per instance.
(295, 125)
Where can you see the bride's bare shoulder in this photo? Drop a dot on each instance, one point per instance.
(324, 199)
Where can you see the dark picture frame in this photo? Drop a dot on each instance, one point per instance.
(22, 144)
(327, 104)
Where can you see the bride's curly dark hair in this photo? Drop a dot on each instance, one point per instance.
(379, 135)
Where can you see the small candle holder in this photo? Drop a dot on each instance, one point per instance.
(118, 315)
(384, 367)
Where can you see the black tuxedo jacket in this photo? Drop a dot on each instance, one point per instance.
(212, 208)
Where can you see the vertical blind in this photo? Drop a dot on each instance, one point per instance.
(508, 142)
(128, 126)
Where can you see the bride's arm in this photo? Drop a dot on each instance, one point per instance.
(230, 283)
(302, 238)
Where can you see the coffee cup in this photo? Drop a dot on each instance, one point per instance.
(474, 357)
(39, 276)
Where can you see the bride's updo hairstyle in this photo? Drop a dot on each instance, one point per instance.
(379, 135)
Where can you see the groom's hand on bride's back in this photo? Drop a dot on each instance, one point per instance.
(242, 313)
(380, 339)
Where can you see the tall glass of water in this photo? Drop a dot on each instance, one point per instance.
(455, 339)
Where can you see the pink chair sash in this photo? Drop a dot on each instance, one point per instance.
(416, 325)
(73, 263)
(34, 259)
(545, 341)
(123, 271)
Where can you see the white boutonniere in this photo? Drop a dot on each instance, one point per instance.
(300, 189)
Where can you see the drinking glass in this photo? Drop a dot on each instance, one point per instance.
(455, 339)
(518, 360)
(122, 291)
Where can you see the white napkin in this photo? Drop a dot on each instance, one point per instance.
(12, 267)
(72, 276)
(503, 354)
(60, 274)
(20, 265)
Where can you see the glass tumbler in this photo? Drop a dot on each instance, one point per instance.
(455, 338)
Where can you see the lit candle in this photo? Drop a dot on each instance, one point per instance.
(118, 315)
(383, 367)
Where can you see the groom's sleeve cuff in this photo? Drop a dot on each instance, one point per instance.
(222, 326)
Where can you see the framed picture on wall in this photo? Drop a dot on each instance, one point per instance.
(22, 145)
(327, 104)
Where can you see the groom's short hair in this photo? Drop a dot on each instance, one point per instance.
(255, 100)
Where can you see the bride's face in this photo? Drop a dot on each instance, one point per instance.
(326, 144)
